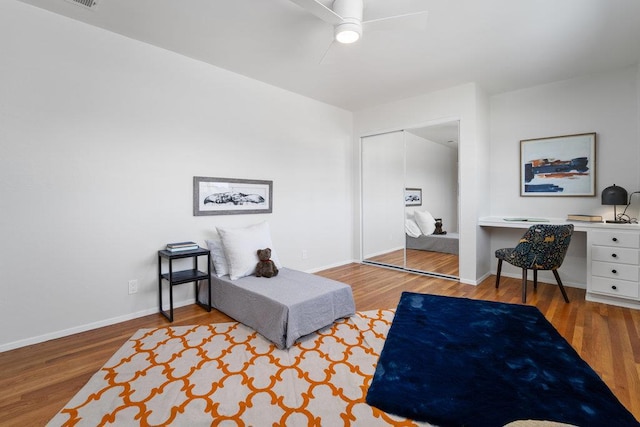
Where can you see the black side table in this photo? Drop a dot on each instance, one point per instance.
(184, 276)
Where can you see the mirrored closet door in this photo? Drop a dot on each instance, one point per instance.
(409, 178)
(383, 199)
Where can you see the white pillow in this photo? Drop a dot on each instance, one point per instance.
(241, 246)
(218, 259)
(412, 228)
(425, 221)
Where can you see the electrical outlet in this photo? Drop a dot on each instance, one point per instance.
(133, 286)
(305, 254)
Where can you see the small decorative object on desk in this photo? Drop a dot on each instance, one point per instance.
(584, 218)
(182, 246)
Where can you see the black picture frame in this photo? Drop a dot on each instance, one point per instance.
(413, 196)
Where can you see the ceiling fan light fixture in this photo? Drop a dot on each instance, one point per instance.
(348, 32)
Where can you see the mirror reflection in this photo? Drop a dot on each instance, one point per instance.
(383, 199)
(410, 199)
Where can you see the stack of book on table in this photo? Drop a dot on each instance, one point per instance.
(584, 218)
(182, 246)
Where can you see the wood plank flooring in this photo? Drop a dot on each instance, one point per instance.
(37, 381)
(434, 262)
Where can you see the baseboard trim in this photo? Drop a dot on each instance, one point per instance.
(86, 327)
(327, 267)
(620, 302)
(475, 282)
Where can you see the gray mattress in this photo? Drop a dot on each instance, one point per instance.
(447, 243)
(282, 308)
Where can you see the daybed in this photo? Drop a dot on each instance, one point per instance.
(285, 307)
(447, 243)
(281, 308)
(419, 228)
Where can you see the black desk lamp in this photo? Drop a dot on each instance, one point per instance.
(614, 195)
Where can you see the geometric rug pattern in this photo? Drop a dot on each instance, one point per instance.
(227, 374)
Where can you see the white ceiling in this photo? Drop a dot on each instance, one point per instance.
(444, 133)
(502, 45)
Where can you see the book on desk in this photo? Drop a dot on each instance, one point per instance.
(584, 218)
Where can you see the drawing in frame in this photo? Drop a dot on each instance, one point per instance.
(413, 197)
(558, 166)
(229, 196)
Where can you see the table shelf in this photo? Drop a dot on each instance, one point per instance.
(174, 278)
(185, 276)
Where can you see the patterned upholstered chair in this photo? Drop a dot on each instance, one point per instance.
(542, 247)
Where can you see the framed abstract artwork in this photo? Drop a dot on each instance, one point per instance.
(228, 196)
(558, 166)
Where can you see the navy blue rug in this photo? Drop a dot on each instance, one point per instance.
(462, 362)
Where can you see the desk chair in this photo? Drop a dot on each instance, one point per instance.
(542, 247)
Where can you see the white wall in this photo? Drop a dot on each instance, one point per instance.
(100, 137)
(481, 158)
(604, 103)
(468, 104)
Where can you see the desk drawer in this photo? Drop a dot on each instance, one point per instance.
(615, 271)
(617, 255)
(613, 287)
(622, 239)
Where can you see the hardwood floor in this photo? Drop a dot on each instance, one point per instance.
(434, 262)
(37, 381)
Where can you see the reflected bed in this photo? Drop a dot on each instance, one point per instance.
(445, 243)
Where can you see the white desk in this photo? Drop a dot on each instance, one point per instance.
(495, 221)
(613, 257)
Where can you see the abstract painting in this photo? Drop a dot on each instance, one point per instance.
(226, 196)
(558, 166)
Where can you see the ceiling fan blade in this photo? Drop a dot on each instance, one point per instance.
(416, 21)
(319, 10)
(337, 53)
(326, 52)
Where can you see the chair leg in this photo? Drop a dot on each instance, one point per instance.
(498, 274)
(564, 293)
(524, 285)
(535, 279)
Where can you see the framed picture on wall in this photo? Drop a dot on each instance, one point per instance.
(229, 196)
(413, 197)
(558, 166)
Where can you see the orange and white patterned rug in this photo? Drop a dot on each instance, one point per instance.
(227, 374)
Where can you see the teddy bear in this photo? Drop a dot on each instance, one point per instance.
(265, 267)
(439, 229)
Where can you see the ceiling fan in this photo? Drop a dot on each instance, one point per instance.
(348, 18)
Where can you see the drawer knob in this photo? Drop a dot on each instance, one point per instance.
(614, 271)
(614, 255)
(614, 287)
(615, 239)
